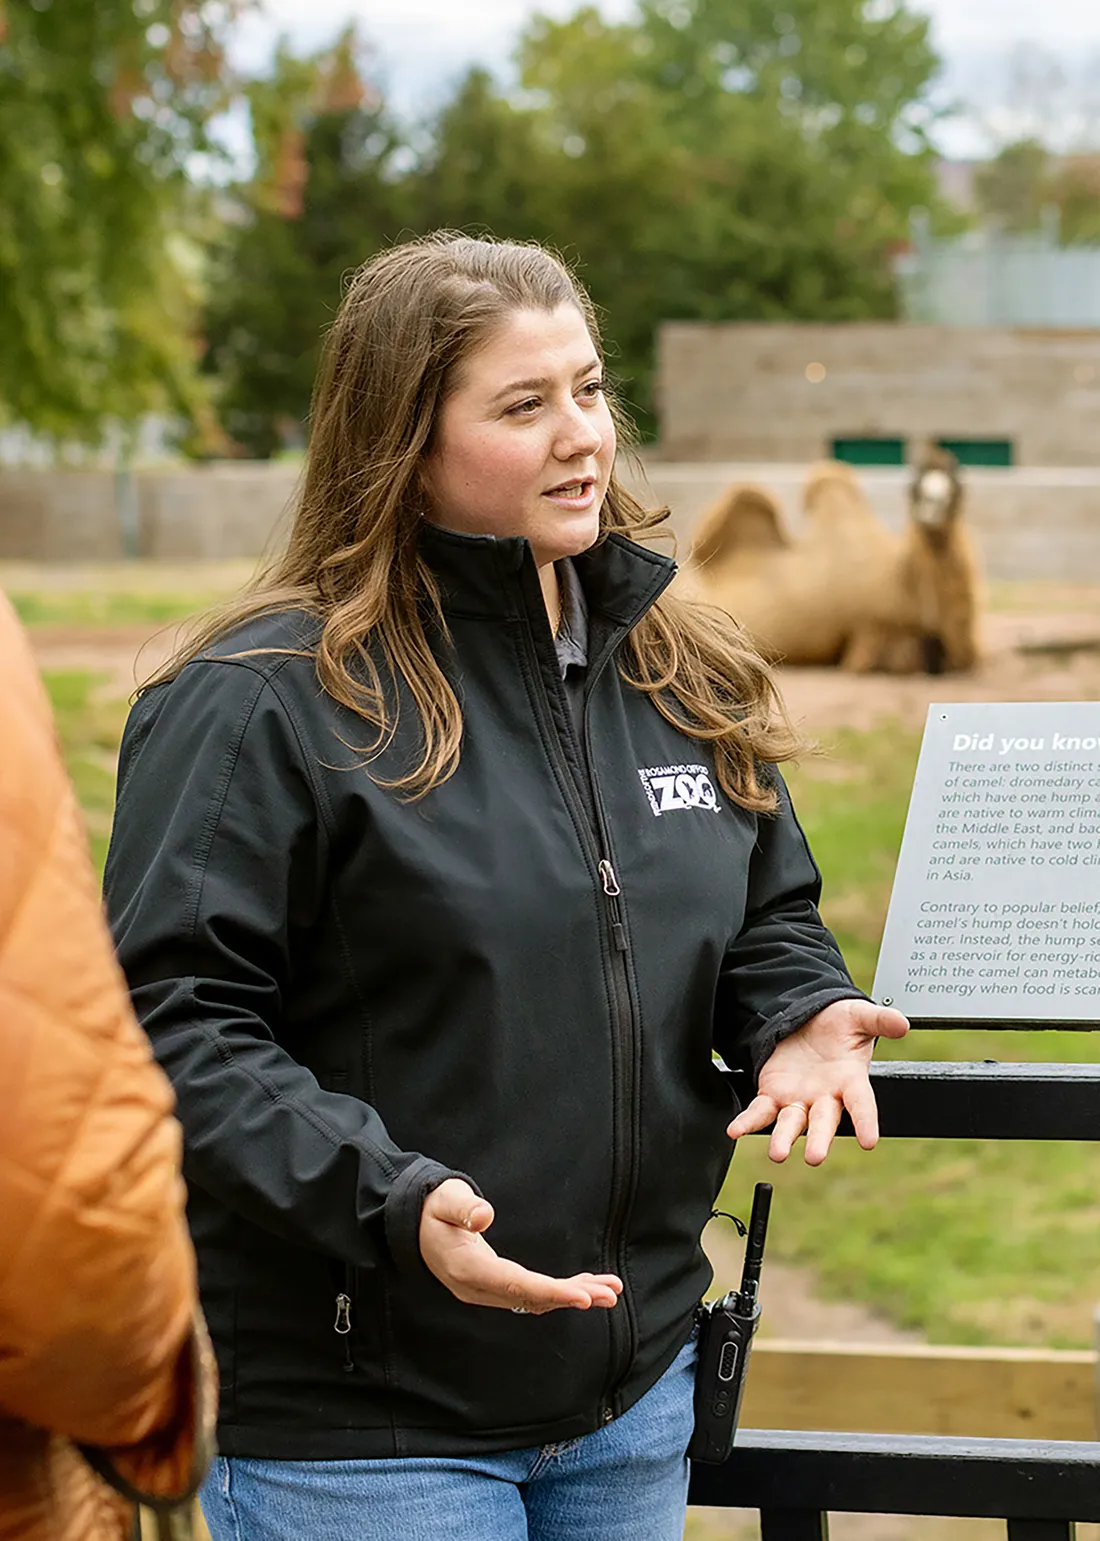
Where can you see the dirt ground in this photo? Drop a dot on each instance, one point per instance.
(124, 655)
(1041, 643)
(1043, 657)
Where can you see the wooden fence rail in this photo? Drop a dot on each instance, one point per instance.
(992, 1393)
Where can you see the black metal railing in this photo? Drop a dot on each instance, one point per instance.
(796, 1478)
(1040, 1488)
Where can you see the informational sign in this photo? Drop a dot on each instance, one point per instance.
(995, 910)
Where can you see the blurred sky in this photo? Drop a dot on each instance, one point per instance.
(1022, 64)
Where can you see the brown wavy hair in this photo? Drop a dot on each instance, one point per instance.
(409, 318)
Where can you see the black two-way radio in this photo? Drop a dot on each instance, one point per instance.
(726, 1331)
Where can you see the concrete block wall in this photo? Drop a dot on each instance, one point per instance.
(59, 516)
(217, 511)
(188, 514)
(733, 391)
(1028, 523)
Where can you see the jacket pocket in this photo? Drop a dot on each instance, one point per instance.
(344, 1284)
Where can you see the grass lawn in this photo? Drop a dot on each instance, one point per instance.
(117, 593)
(967, 1242)
(89, 727)
(78, 608)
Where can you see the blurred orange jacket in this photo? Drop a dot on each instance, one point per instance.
(97, 1283)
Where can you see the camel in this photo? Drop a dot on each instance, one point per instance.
(848, 592)
(803, 602)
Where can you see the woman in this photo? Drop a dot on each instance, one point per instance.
(102, 1361)
(441, 863)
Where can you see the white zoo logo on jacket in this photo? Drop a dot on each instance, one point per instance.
(671, 787)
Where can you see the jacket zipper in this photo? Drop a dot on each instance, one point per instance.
(625, 1170)
(624, 1327)
(624, 1331)
(625, 1032)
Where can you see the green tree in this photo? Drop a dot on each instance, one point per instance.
(1025, 184)
(101, 106)
(326, 194)
(1074, 190)
(734, 160)
(1013, 188)
(488, 165)
(710, 159)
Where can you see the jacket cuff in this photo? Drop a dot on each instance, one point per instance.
(763, 1042)
(404, 1203)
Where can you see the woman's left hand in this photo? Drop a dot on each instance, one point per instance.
(812, 1076)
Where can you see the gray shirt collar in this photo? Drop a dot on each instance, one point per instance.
(571, 641)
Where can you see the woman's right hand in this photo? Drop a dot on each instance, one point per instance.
(453, 1246)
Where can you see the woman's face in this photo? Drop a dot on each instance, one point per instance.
(525, 443)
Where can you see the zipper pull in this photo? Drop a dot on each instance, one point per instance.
(612, 890)
(342, 1325)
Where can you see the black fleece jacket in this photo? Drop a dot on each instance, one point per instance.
(520, 978)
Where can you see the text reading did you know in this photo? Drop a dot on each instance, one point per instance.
(995, 910)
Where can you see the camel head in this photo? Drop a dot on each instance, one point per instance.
(935, 497)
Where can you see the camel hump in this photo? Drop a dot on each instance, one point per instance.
(833, 495)
(830, 476)
(743, 519)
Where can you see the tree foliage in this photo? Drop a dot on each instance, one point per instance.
(327, 192)
(102, 102)
(1011, 189)
(1074, 190)
(1024, 184)
(734, 160)
(708, 159)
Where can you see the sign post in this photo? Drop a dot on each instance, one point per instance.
(995, 909)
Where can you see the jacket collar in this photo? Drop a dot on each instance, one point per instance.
(486, 577)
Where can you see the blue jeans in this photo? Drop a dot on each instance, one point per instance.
(624, 1482)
